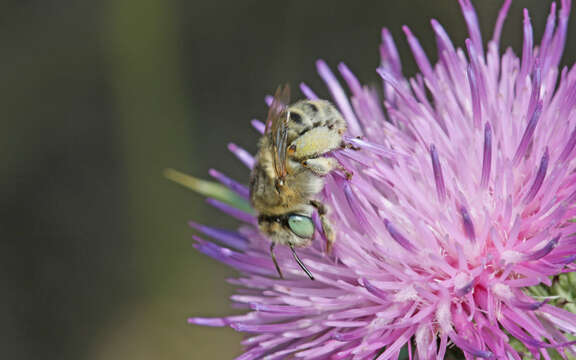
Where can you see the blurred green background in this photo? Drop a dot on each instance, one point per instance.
(98, 97)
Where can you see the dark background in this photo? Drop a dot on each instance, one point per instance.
(98, 97)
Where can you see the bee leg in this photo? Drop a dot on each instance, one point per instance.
(326, 226)
(275, 261)
(314, 143)
(346, 172)
(321, 166)
(345, 145)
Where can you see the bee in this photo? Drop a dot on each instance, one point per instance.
(290, 169)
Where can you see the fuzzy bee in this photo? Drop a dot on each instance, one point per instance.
(290, 169)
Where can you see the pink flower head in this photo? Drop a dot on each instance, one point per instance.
(462, 193)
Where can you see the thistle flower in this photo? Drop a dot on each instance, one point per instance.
(461, 199)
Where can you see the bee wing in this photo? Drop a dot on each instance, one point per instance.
(277, 127)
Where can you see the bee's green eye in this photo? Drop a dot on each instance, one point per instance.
(302, 226)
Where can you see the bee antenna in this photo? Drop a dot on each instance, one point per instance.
(275, 261)
(301, 263)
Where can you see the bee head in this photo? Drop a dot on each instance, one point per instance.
(288, 229)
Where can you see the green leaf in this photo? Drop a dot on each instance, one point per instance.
(562, 294)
